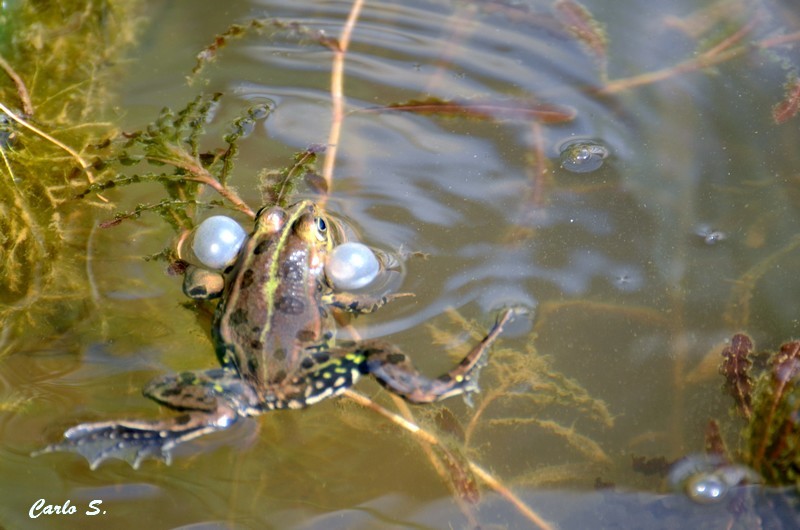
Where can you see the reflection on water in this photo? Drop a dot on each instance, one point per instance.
(635, 271)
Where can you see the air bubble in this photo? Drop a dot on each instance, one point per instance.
(707, 479)
(582, 156)
(706, 488)
(710, 235)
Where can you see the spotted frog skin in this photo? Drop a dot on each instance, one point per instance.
(274, 334)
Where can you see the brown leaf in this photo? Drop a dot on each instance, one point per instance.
(485, 109)
(787, 109)
(735, 367)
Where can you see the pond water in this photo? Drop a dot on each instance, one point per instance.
(633, 274)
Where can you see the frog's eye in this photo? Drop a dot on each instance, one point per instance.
(322, 228)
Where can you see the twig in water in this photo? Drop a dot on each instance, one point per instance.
(83, 163)
(337, 92)
(431, 439)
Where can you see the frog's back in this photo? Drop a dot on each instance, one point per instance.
(272, 310)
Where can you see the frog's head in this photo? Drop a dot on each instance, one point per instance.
(302, 222)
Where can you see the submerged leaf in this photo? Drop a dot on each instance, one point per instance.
(485, 109)
(735, 367)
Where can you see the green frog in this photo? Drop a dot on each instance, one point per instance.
(274, 333)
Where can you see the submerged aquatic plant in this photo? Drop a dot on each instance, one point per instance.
(773, 433)
(169, 147)
(54, 88)
(525, 380)
(768, 397)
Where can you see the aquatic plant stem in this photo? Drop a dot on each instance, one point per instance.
(450, 468)
(22, 90)
(722, 52)
(337, 93)
(432, 440)
(539, 171)
(737, 310)
(198, 173)
(83, 163)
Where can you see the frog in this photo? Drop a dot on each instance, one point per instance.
(274, 332)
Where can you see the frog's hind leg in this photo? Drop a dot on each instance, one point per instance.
(323, 374)
(134, 441)
(395, 371)
(208, 402)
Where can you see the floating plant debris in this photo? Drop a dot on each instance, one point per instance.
(485, 109)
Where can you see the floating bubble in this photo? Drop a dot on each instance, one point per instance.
(707, 479)
(352, 266)
(627, 278)
(710, 236)
(706, 488)
(217, 241)
(582, 156)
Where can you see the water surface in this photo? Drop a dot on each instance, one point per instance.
(634, 274)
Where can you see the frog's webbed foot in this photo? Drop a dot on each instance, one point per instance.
(394, 370)
(134, 441)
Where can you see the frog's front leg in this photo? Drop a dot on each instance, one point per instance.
(205, 407)
(360, 302)
(395, 371)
